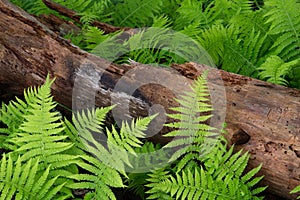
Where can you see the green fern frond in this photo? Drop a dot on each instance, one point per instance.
(274, 69)
(198, 184)
(197, 12)
(108, 46)
(99, 179)
(93, 36)
(12, 115)
(39, 134)
(248, 22)
(86, 7)
(88, 135)
(146, 46)
(233, 50)
(90, 142)
(95, 11)
(136, 183)
(204, 168)
(128, 136)
(163, 46)
(136, 13)
(93, 141)
(294, 77)
(284, 17)
(241, 55)
(78, 6)
(156, 177)
(161, 21)
(295, 190)
(192, 30)
(20, 181)
(168, 8)
(107, 157)
(254, 20)
(242, 6)
(224, 165)
(191, 131)
(149, 157)
(35, 7)
(212, 40)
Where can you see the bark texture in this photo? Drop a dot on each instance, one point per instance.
(262, 118)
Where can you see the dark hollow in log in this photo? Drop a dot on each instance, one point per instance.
(262, 118)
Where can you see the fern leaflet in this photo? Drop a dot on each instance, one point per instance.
(20, 181)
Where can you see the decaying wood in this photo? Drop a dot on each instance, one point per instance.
(262, 118)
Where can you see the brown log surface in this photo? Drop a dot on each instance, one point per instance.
(262, 118)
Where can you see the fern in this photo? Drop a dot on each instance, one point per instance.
(89, 10)
(104, 159)
(156, 177)
(198, 184)
(35, 7)
(233, 51)
(36, 132)
(275, 70)
(20, 181)
(40, 132)
(239, 34)
(136, 13)
(247, 22)
(284, 17)
(204, 169)
(12, 115)
(98, 179)
(89, 137)
(128, 136)
(149, 157)
(294, 77)
(189, 133)
(295, 190)
(191, 12)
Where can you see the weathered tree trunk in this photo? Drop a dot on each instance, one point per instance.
(262, 118)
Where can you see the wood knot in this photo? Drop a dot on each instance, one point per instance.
(240, 137)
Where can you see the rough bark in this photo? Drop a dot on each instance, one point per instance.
(262, 118)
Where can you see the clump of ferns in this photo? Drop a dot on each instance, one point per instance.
(197, 164)
(37, 160)
(48, 157)
(202, 168)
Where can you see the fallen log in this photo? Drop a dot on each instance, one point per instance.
(262, 118)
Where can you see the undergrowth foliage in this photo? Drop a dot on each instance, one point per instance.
(202, 168)
(48, 157)
(242, 36)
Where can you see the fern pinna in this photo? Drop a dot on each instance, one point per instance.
(203, 168)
